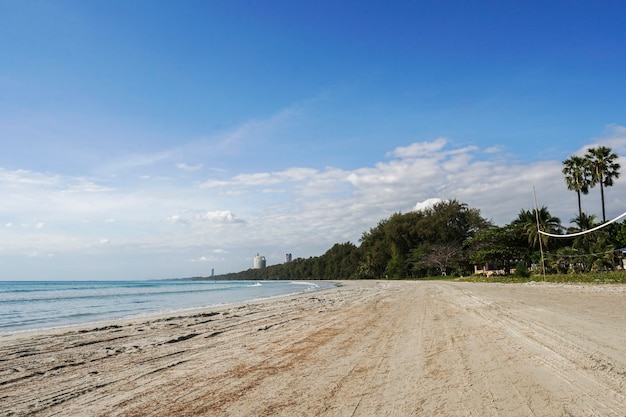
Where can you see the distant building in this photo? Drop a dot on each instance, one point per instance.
(287, 258)
(259, 261)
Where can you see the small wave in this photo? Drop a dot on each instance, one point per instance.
(258, 284)
(311, 284)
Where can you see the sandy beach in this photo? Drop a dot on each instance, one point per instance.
(363, 349)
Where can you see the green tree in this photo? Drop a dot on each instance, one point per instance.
(602, 252)
(396, 265)
(580, 258)
(528, 220)
(450, 221)
(443, 233)
(340, 261)
(577, 177)
(443, 256)
(521, 270)
(376, 251)
(584, 221)
(568, 260)
(604, 170)
(503, 246)
(619, 234)
(419, 243)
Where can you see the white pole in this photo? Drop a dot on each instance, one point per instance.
(543, 265)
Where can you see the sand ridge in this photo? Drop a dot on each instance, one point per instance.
(367, 348)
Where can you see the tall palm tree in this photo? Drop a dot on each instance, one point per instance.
(583, 243)
(584, 222)
(527, 222)
(577, 177)
(603, 169)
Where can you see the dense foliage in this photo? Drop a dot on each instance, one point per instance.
(613, 277)
(423, 243)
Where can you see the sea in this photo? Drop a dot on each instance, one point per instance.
(30, 305)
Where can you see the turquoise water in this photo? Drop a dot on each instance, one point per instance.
(32, 305)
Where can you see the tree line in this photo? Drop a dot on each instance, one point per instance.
(450, 237)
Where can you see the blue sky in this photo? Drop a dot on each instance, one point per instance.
(155, 139)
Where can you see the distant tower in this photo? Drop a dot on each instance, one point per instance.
(287, 258)
(212, 272)
(259, 261)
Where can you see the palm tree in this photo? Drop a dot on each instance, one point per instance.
(603, 169)
(584, 222)
(527, 222)
(583, 243)
(577, 177)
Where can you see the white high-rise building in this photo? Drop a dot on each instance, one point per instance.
(287, 258)
(259, 261)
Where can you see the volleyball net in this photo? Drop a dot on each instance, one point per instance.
(583, 232)
(569, 257)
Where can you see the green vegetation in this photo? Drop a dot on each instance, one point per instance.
(449, 239)
(614, 277)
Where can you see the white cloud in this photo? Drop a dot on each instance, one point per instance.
(614, 137)
(426, 204)
(493, 149)
(202, 259)
(219, 216)
(186, 167)
(215, 256)
(419, 149)
(83, 185)
(263, 178)
(211, 183)
(25, 178)
(139, 160)
(176, 219)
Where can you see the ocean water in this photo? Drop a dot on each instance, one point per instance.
(32, 305)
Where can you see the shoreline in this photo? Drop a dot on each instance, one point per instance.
(159, 315)
(174, 311)
(362, 348)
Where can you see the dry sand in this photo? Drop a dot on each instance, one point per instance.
(364, 349)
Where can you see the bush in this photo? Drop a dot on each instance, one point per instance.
(521, 270)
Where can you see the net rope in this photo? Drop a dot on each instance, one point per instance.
(584, 232)
(582, 255)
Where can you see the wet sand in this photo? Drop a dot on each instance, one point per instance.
(364, 349)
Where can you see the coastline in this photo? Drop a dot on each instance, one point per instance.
(65, 313)
(362, 348)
